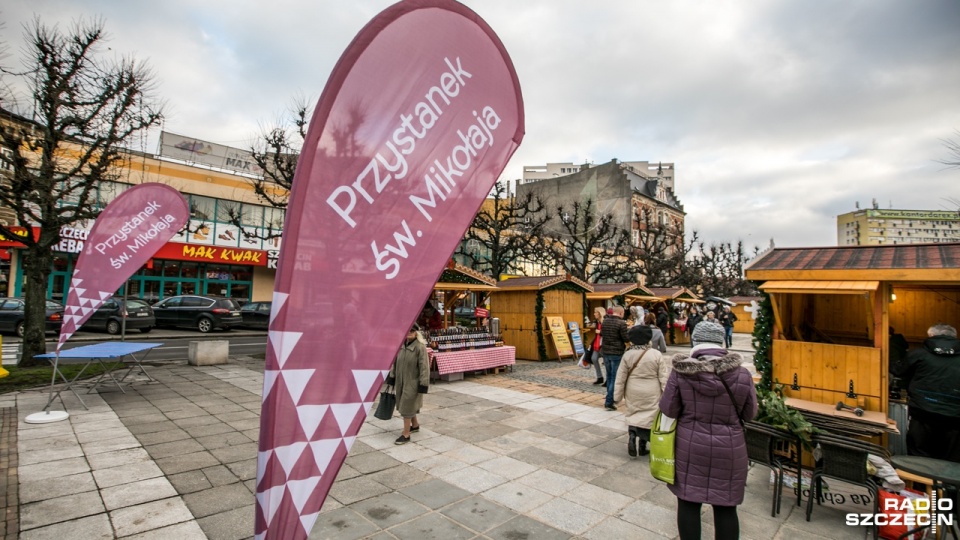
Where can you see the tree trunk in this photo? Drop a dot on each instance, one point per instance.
(37, 262)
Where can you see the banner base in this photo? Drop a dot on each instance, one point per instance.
(46, 417)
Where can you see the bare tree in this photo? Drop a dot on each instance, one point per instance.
(662, 251)
(86, 108)
(506, 233)
(720, 269)
(953, 149)
(595, 248)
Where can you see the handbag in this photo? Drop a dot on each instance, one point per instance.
(585, 359)
(729, 393)
(388, 404)
(663, 438)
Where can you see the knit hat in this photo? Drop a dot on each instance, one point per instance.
(708, 332)
(640, 334)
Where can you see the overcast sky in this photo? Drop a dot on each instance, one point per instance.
(778, 114)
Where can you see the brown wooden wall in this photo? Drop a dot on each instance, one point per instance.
(824, 372)
(918, 308)
(744, 324)
(831, 318)
(517, 309)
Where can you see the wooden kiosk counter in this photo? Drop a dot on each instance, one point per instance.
(456, 352)
(833, 308)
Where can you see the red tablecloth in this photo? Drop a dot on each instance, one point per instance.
(474, 360)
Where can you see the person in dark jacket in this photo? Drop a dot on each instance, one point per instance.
(727, 318)
(932, 376)
(693, 318)
(663, 320)
(711, 452)
(614, 342)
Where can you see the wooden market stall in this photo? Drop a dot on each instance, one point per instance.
(607, 294)
(522, 322)
(669, 297)
(743, 308)
(833, 307)
(456, 350)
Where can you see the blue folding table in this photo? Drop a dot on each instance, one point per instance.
(98, 353)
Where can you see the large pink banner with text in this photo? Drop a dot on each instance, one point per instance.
(123, 238)
(417, 121)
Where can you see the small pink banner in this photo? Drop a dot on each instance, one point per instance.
(123, 238)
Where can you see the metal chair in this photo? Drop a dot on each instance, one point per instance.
(845, 459)
(765, 446)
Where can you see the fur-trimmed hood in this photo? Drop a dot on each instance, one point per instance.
(704, 371)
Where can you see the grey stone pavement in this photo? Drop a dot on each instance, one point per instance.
(177, 459)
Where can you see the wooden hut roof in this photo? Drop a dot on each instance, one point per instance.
(675, 293)
(743, 299)
(899, 262)
(541, 282)
(605, 291)
(458, 277)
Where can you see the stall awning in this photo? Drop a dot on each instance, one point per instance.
(820, 287)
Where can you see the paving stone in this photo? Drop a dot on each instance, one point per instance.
(187, 462)
(131, 472)
(631, 485)
(39, 490)
(389, 509)
(221, 440)
(59, 509)
(652, 518)
(617, 528)
(174, 448)
(110, 445)
(435, 493)
(431, 527)
(357, 489)
(536, 456)
(473, 479)
(478, 513)
(189, 530)
(522, 528)
(189, 482)
(148, 516)
(597, 498)
(217, 499)
(158, 437)
(342, 524)
(517, 496)
(550, 482)
(232, 454)
(507, 467)
(397, 477)
(576, 468)
(50, 454)
(567, 516)
(53, 469)
(230, 525)
(133, 493)
(244, 470)
(91, 527)
(371, 462)
(220, 475)
(117, 458)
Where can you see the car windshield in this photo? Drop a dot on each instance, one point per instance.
(228, 303)
(136, 304)
(54, 305)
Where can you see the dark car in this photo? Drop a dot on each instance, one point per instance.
(201, 312)
(464, 312)
(256, 314)
(12, 316)
(109, 316)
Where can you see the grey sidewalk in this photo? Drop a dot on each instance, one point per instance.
(177, 459)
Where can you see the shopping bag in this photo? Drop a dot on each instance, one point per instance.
(388, 403)
(918, 504)
(585, 361)
(662, 448)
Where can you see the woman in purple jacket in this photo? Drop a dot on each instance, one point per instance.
(710, 394)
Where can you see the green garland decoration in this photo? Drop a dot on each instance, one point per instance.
(538, 327)
(763, 341)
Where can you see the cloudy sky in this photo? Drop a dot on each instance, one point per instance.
(779, 114)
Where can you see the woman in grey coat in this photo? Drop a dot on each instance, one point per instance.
(410, 376)
(711, 452)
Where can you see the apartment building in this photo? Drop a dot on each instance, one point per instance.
(887, 227)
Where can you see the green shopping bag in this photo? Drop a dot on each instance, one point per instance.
(662, 447)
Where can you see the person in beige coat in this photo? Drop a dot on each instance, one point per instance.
(410, 376)
(640, 380)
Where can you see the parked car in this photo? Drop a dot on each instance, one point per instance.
(256, 314)
(201, 312)
(109, 316)
(12, 316)
(464, 312)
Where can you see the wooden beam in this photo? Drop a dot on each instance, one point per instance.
(775, 303)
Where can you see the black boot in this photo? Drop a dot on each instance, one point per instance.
(642, 447)
(632, 444)
(599, 381)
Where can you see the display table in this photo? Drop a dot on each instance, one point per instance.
(474, 359)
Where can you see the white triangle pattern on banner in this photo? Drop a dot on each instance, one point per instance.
(263, 535)
(310, 417)
(300, 491)
(323, 451)
(262, 458)
(348, 442)
(104, 295)
(80, 292)
(288, 455)
(86, 310)
(386, 373)
(269, 379)
(296, 380)
(345, 413)
(283, 344)
(84, 301)
(279, 299)
(365, 379)
(270, 501)
(367, 406)
(307, 520)
(75, 282)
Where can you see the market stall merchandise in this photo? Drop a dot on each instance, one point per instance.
(676, 300)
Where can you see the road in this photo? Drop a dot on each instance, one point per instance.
(175, 342)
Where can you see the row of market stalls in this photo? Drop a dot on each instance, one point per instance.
(520, 308)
